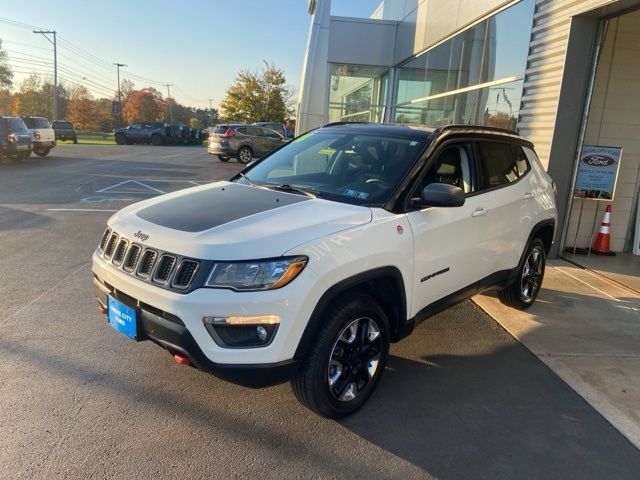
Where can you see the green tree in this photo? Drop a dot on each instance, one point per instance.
(205, 117)
(6, 75)
(258, 96)
(33, 99)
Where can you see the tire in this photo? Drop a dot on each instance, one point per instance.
(42, 153)
(524, 290)
(222, 158)
(333, 388)
(121, 139)
(245, 154)
(156, 139)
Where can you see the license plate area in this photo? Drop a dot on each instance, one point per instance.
(123, 318)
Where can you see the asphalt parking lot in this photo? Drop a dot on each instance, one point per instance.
(461, 398)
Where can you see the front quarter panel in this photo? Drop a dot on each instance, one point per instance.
(385, 242)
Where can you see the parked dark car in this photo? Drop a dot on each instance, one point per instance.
(15, 139)
(64, 130)
(243, 142)
(155, 133)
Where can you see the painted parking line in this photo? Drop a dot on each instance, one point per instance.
(147, 188)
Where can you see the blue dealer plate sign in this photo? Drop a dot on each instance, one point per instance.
(123, 318)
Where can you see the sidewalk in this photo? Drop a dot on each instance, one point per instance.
(587, 330)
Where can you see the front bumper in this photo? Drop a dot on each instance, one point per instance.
(169, 332)
(38, 145)
(175, 320)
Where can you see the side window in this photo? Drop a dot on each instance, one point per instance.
(498, 164)
(253, 131)
(242, 130)
(136, 126)
(521, 160)
(453, 165)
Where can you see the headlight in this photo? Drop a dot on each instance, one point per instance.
(256, 275)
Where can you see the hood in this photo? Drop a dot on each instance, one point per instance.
(230, 221)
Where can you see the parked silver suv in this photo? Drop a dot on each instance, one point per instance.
(243, 142)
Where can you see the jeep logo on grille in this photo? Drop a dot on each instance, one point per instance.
(599, 160)
(140, 235)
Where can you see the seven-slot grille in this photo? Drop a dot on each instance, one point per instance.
(149, 265)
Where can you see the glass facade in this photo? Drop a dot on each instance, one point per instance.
(357, 93)
(474, 77)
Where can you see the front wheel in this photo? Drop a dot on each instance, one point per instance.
(42, 153)
(523, 291)
(121, 139)
(156, 139)
(222, 158)
(245, 155)
(346, 362)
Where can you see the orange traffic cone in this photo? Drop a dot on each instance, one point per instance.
(602, 242)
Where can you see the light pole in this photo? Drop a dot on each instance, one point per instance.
(169, 99)
(210, 111)
(45, 34)
(118, 65)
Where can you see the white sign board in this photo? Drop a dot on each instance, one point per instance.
(598, 172)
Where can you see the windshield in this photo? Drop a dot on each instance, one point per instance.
(355, 168)
(37, 122)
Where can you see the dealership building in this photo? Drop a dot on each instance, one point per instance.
(564, 73)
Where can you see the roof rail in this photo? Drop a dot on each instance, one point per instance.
(483, 127)
(333, 124)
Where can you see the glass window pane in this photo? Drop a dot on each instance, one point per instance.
(497, 163)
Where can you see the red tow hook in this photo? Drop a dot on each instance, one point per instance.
(181, 359)
(102, 308)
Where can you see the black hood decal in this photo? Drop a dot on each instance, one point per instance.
(199, 211)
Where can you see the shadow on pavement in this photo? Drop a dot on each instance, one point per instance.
(484, 406)
(14, 219)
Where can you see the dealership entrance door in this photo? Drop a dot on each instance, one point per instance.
(613, 121)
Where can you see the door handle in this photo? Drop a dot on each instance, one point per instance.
(528, 195)
(479, 212)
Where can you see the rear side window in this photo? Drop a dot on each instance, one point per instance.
(62, 125)
(16, 125)
(221, 129)
(37, 122)
(498, 164)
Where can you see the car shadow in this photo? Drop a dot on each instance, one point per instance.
(474, 407)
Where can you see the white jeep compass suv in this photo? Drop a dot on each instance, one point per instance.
(306, 265)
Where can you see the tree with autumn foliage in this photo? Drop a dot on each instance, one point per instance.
(81, 111)
(258, 96)
(145, 104)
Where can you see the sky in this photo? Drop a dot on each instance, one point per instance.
(198, 46)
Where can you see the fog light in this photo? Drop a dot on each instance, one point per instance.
(242, 331)
(262, 332)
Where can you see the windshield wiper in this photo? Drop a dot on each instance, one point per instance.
(247, 180)
(285, 187)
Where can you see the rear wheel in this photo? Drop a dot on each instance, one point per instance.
(222, 158)
(156, 139)
(121, 139)
(42, 152)
(245, 154)
(346, 362)
(523, 291)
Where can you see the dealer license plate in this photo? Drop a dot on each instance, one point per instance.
(123, 318)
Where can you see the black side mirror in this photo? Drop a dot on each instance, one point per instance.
(440, 195)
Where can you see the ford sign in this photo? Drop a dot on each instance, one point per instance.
(599, 160)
